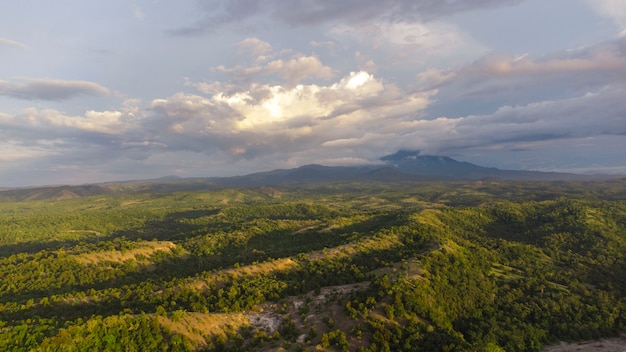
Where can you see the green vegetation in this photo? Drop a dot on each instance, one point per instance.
(456, 266)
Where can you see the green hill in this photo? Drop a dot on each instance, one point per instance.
(415, 266)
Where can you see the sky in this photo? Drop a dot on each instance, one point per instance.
(95, 91)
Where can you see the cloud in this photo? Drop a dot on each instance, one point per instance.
(13, 43)
(511, 128)
(357, 118)
(269, 119)
(284, 94)
(410, 44)
(434, 78)
(322, 44)
(300, 67)
(258, 48)
(50, 124)
(49, 89)
(218, 13)
(496, 80)
(286, 66)
(365, 62)
(293, 70)
(50, 137)
(601, 59)
(11, 151)
(75, 149)
(613, 9)
(139, 14)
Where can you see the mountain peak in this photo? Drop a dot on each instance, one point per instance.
(404, 156)
(401, 155)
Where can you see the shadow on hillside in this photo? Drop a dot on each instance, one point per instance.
(256, 248)
(170, 228)
(147, 297)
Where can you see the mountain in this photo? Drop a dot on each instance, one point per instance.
(302, 174)
(441, 166)
(403, 166)
(411, 162)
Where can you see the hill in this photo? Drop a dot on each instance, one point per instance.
(51, 193)
(356, 266)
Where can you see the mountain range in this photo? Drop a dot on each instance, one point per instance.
(402, 166)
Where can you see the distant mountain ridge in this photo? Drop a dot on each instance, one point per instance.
(412, 162)
(403, 166)
(52, 192)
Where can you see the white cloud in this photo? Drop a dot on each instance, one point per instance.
(256, 46)
(50, 124)
(295, 118)
(13, 43)
(322, 44)
(215, 87)
(357, 118)
(300, 67)
(293, 70)
(193, 114)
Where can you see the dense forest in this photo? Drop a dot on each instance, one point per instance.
(417, 266)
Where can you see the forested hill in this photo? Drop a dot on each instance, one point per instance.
(52, 193)
(362, 266)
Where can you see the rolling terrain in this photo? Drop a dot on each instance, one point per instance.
(487, 265)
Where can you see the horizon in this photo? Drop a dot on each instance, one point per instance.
(178, 177)
(120, 91)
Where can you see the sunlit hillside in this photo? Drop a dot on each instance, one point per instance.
(417, 266)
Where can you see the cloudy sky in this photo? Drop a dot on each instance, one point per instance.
(111, 90)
